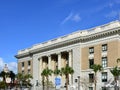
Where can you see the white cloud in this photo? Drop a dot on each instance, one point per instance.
(11, 65)
(72, 17)
(76, 18)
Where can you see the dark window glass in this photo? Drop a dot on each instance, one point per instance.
(104, 76)
(90, 88)
(29, 63)
(22, 71)
(91, 78)
(22, 64)
(91, 50)
(28, 71)
(91, 62)
(104, 62)
(104, 47)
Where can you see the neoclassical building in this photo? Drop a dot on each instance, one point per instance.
(80, 50)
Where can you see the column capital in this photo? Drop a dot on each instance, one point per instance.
(39, 58)
(69, 50)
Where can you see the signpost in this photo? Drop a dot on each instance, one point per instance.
(58, 82)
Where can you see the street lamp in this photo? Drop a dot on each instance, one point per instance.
(78, 82)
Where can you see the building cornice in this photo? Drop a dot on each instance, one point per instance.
(91, 35)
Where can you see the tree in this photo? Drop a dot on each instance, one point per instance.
(115, 72)
(96, 68)
(25, 79)
(45, 73)
(12, 76)
(57, 72)
(66, 71)
(3, 75)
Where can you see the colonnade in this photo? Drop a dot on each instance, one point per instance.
(56, 60)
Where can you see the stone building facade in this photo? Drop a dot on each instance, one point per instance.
(80, 50)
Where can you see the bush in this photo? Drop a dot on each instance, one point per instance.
(2, 84)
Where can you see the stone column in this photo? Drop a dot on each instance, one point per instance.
(49, 66)
(40, 68)
(70, 64)
(49, 61)
(59, 60)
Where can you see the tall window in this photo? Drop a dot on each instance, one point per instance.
(22, 64)
(91, 62)
(104, 62)
(28, 71)
(104, 76)
(91, 78)
(104, 47)
(22, 71)
(91, 50)
(29, 63)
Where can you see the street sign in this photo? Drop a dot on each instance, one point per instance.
(58, 82)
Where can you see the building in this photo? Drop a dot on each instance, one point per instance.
(81, 49)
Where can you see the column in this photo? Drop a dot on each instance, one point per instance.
(59, 60)
(49, 66)
(40, 68)
(49, 61)
(70, 58)
(70, 64)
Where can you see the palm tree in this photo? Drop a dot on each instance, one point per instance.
(115, 72)
(27, 79)
(3, 75)
(45, 73)
(66, 71)
(57, 72)
(96, 68)
(12, 76)
(118, 60)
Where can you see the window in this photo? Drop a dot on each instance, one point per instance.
(22, 72)
(91, 62)
(91, 50)
(91, 78)
(90, 88)
(104, 62)
(104, 47)
(104, 88)
(104, 76)
(22, 64)
(28, 71)
(29, 63)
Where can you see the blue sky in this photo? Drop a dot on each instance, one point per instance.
(24, 23)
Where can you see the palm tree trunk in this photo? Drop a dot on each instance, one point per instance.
(43, 83)
(47, 83)
(116, 87)
(67, 79)
(95, 81)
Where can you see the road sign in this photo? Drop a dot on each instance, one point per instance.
(58, 82)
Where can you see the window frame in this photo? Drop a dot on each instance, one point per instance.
(104, 47)
(91, 62)
(91, 77)
(104, 76)
(91, 50)
(29, 63)
(104, 62)
(23, 64)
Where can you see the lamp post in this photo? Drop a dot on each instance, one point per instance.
(78, 82)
